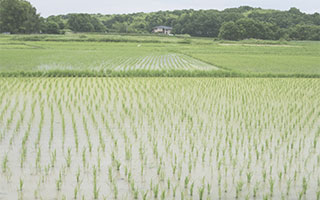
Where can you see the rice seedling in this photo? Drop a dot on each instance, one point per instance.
(5, 164)
(201, 192)
(156, 191)
(145, 195)
(53, 158)
(186, 182)
(163, 195)
(38, 157)
(182, 195)
(239, 188)
(84, 160)
(191, 189)
(271, 182)
(95, 189)
(59, 182)
(304, 185)
(255, 190)
(68, 158)
(115, 191)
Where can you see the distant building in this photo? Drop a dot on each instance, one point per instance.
(162, 29)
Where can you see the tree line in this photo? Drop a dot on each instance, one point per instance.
(19, 16)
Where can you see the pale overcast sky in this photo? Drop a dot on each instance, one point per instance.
(55, 7)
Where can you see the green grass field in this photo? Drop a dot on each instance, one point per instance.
(290, 58)
(79, 52)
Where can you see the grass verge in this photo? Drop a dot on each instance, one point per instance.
(151, 73)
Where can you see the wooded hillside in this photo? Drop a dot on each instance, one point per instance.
(231, 24)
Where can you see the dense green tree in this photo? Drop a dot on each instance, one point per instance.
(230, 31)
(230, 16)
(295, 11)
(316, 19)
(85, 23)
(257, 29)
(249, 28)
(305, 32)
(50, 27)
(204, 23)
(18, 16)
(120, 27)
(97, 25)
(58, 20)
(241, 9)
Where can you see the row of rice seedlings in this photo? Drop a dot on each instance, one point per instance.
(159, 62)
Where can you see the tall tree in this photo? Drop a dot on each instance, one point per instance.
(18, 16)
(231, 31)
(85, 23)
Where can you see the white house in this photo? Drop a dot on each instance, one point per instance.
(162, 29)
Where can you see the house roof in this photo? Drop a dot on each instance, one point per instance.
(164, 27)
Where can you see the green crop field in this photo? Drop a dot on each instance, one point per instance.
(131, 53)
(290, 58)
(86, 116)
(159, 138)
